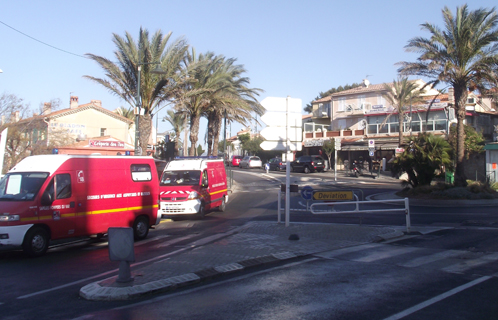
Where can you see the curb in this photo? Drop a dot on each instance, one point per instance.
(390, 236)
(97, 292)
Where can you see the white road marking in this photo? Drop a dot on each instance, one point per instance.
(375, 256)
(161, 257)
(173, 241)
(431, 258)
(335, 253)
(438, 298)
(100, 275)
(466, 265)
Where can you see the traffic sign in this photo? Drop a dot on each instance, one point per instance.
(371, 143)
(281, 146)
(280, 133)
(279, 119)
(307, 192)
(284, 122)
(282, 104)
(337, 143)
(332, 195)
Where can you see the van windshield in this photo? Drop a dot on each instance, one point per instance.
(181, 178)
(21, 186)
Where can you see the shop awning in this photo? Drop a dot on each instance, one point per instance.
(378, 146)
(349, 147)
(491, 146)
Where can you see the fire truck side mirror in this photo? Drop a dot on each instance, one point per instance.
(46, 198)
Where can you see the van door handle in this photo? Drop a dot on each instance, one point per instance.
(71, 204)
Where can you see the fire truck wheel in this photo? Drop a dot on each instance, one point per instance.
(35, 242)
(202, 211)
(223, 205)
(141, 228)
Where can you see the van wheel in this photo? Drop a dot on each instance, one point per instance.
(35, 242)
(141, 228)
(307, 169)
(202, 211)
(222, 206)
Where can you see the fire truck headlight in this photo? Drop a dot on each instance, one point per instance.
(5, 218)
(193, 195)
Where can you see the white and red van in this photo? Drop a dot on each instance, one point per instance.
(192, 186)
(51, 197)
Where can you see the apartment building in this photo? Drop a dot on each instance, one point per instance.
(87, 125)
(362, 114)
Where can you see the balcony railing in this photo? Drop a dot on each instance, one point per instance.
(334, 134)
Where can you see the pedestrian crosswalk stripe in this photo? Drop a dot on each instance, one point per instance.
(384, 254)
(372, 252)
(431, 258)
(468, 264)
(335, 253)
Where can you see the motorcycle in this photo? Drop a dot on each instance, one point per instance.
(356, 169)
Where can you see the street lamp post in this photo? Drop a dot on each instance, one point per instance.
(138, 110)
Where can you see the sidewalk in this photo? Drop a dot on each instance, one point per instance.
(252, 245)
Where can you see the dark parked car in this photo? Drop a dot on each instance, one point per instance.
(276, 164)
(235, 161)
(308, 164)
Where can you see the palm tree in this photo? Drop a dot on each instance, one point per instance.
(401, 94)
(464, 55)
(234, 100)
(427, 154)
(155, 90)
(127, 113)
(203, 80)
(177, 120)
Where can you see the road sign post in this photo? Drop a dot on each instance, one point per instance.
(307, 194)
(337, 146)
(283, 135)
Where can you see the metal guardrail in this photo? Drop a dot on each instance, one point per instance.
(357, 203)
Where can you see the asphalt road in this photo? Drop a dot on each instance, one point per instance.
(373, 284)
(415, 278)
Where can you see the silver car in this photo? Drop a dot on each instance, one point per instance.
(250, 162)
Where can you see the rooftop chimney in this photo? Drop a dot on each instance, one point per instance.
(47, 108)
(98, 103)
(15, 116)
(73, 102)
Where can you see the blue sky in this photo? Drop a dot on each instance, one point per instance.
(289, 48)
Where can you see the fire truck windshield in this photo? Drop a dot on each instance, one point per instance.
(21, 186)
(185, 178)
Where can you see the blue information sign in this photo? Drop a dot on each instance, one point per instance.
(307, 192)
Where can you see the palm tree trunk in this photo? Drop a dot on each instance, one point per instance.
(145, 125)
(194, 133)
(460, 102)
(216, 132)
(177, 141)
(210, 132)
(401, 116)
